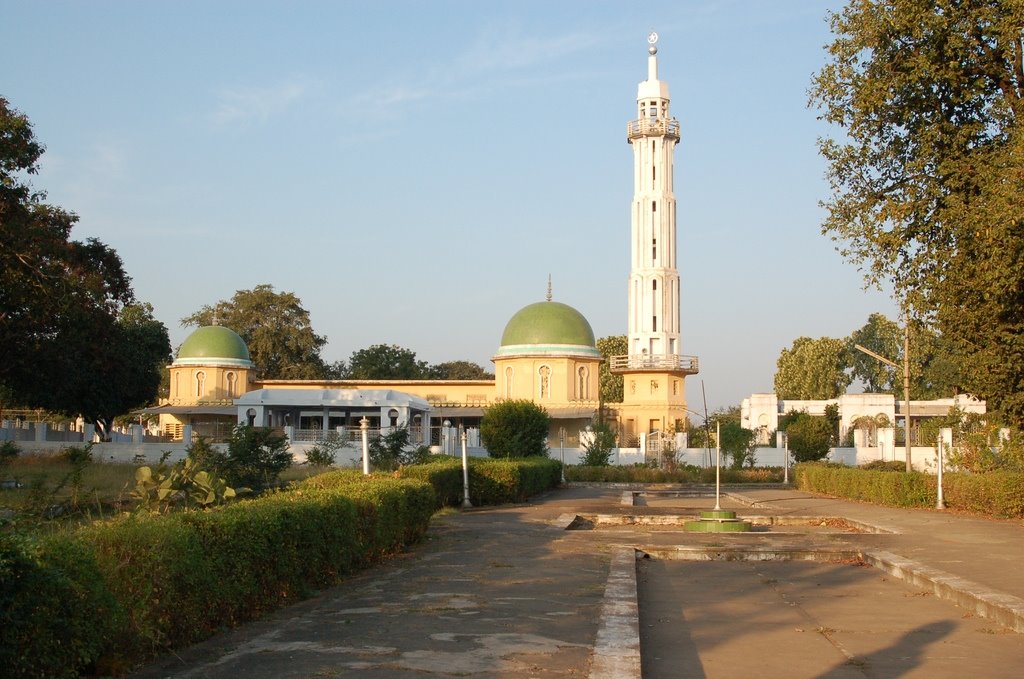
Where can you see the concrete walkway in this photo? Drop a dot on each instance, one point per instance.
(508, 592)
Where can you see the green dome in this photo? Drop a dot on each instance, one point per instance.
(548, 327)
(214, 344)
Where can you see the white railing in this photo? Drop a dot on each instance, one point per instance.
(687, 364)
(652, 127)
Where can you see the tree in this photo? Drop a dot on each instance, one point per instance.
(600, 446)
(809, 437)
(386, 362)
(610, 384)
(737, 442)
(885, 338)
(254, 459)
(459, 370)
(813, 369)
(926, 175)
(275, 327)
(515, 428)
(83, 345)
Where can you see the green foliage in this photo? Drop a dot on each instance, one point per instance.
(812, 369)
(925, 173)
(67, 305)
(324, 453)
(183, 485)
(458, 370)
(995, 494)
(809, 437)
(610, 384)
(276, 328)
(391, 450)
(515, 428)
(115, 593)
(8, 451)
(738, 443)
(834, 421)
(56, 614)
(491, 481)
(681, 474)
(600, 447)
(255, 457)
(386, 362)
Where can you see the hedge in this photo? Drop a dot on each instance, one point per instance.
(105, 597)
(684, 474)
(492, 481)
(999, 494)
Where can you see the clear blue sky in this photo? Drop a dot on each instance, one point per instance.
(413, 171)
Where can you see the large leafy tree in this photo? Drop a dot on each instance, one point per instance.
(459, 370)
(610, 384)
(386, 362)
(884, 337)
(813, 369)
(75, 342)
(276, 328)
(927, 175)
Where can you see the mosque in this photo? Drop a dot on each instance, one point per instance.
(547, 352)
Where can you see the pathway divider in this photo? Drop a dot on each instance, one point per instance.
(617, 648)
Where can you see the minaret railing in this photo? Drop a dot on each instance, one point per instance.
(674, 362)
(652, 127)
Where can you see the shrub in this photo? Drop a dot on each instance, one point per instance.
(599, 448)
(809, 437)
(515, 428)
(255, 457)
(8, 451)
(325, 453)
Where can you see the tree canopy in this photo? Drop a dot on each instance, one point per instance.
(386, 362)
(927, 171)
(813, 369)
(515, 428)
(78, 343)
(276, 328)
(610, 384)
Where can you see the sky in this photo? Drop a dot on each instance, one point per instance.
(414, 171)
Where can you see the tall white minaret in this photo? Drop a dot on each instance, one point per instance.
(653, 279)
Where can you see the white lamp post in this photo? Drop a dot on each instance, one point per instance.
(561, 447)
(364, 429)
(718, 464)
(465, 473)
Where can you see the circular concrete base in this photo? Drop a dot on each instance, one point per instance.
(718, 514)
(717, 521)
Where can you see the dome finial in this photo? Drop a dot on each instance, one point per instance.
(549, 287)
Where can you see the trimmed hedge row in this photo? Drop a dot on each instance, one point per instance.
(491, 481)
(687, 474)
(107, 596)
(998, 494)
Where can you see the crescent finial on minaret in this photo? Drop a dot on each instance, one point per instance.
(549, 287)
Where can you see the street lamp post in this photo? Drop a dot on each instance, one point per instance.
(906, 385)
(561, 448)
(364, 429)
(465, 472)
(718, 465)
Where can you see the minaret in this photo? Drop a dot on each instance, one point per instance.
(653, 325)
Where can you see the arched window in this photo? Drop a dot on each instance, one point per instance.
(508, 382)
(583, 384)
(545, 381)
(177, 387)
(229, 379)
(200, 384)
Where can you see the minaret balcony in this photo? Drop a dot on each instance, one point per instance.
(652, 127)
(654, 363)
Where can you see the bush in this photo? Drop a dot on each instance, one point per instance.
(8, 451)
(255, 457)
(809, 437)
(599, 448)
(515, 428)
(325, 453)
(112, 594)
(682, 474)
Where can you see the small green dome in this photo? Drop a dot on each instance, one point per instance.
(214, 344)
(547, 327)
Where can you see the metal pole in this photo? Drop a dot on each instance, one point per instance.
(364, 429)
(465, 474)
(906, 388)
(939, 501)
(785, 475)
(561, 447)
(718, 463)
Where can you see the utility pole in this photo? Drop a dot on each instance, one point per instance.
(906, 384)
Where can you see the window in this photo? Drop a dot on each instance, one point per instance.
(583, 387)
(545, 381)
(654, 174)
(229, 379)
(177, 386)
(654, 284)
(654, 206)
(654, 324)
(508, 382)
(200, 384)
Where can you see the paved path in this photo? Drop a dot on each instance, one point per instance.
(506, 592)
